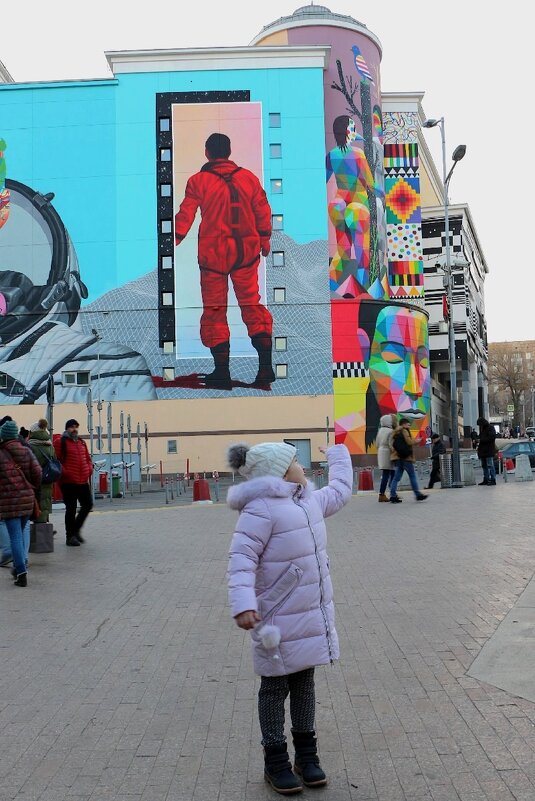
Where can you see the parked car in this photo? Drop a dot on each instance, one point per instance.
(530, 432)
(515, 448)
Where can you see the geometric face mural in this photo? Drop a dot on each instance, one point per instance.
(381, 366)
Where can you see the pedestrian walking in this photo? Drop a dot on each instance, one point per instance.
(402, 454)
(280, 589)
(474, 436)
(486, 451)
(387, 424)
(6, 556)
(20, 477)
(43, 450)
(437, 449)
(77, 468)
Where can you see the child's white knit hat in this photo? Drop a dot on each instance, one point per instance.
(266, 459)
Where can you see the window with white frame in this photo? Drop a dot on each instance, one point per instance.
(80, 378)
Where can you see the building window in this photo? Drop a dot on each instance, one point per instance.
(281, 343)
(279, 295)
(165, 124)
(171, 446)
(167, 262)
(281, 371)
(168, 373)
(276, 186)
(3, 381)
(168, 347)
(275, 120)
(278, 258)
(165, 190)
(277, 222)
(165, 154)
(166, 226)
(275, 151)
(79, 379)
(167, 298)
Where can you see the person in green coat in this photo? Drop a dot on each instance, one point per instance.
(42, 447)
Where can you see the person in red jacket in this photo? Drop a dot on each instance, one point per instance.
(76, 469)
(234, 230)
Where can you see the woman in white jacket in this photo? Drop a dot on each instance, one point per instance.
(384, 441)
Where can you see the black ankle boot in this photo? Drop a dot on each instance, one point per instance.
(21, 580)
(278, 770)
(263, 345)
(307, 763)
(220, 378)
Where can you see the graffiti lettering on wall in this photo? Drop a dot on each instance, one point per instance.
(41, 291)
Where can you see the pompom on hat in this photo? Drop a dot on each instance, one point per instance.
(266, 459)
(9, 430)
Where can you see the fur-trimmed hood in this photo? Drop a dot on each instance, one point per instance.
(241, 494)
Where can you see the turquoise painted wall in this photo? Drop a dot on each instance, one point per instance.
(93, 144)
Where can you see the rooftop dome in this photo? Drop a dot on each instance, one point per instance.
(311, 15)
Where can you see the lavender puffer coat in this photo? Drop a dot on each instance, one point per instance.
(279, 565)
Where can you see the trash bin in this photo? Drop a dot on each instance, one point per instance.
(116, 485)
(446, 470)
(468, 477)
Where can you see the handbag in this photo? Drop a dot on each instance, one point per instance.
(51, 470)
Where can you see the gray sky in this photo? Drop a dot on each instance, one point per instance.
(469, 56)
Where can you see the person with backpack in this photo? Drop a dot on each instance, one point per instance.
(43, 450)
(76, 470)
(403, 457)
(20, 477)
(235, 229)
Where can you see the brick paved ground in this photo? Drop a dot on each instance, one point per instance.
(123, 678)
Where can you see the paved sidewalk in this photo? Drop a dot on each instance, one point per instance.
(125, 680)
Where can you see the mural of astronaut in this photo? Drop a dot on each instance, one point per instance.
(235, 230)
(40, 295)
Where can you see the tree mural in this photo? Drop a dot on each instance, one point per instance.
(349, 87)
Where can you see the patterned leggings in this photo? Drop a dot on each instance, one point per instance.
(271, 697)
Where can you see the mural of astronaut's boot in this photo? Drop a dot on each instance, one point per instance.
(219, 378)
(262, 343)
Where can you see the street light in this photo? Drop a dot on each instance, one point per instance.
(458, 154)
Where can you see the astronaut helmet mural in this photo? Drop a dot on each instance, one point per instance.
(41, 291)
(379, 339)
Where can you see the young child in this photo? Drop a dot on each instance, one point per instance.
(280, 588)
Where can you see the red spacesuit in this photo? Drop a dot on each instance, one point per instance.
(234, 230)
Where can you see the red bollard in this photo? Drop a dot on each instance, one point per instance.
(201, 491)
(365, 480)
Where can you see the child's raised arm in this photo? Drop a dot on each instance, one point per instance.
(338, 491)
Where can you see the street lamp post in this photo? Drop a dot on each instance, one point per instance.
(458, 154)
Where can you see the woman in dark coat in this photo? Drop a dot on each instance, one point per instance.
(43, 450)
(20, 478)
(486, 451)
